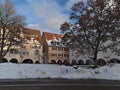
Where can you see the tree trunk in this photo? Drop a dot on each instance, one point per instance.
(95, 59)
(1, 58)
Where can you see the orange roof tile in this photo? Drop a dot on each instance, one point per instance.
(31, 33)
(50, 36)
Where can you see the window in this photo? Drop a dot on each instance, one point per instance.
(54, 48)
(54, 54)
(59, 43)
(39, 47)
(13, 51)
(66, 49)
(35, 35)
(53, 42)
(60, 48)
(60, 55)
(64, 44)
(35, 47)
(66, 55)
(23, 46)
(37, 52)
(105, 50)
(25, 53)
(77, 53)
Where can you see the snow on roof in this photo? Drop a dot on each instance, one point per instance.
(52, 37)
(31, 33)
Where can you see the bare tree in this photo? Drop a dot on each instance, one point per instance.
(94, 26)
(10, 28)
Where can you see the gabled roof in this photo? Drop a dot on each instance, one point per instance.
(32, 33)
(49, 36)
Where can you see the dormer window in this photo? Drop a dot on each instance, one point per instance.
(64, 44)
(53, 42)
(35, 35)
(58, 43)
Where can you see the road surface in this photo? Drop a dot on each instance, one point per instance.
(59, 84)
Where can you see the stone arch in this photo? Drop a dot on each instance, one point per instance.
(59, 62)
(13, 60)
(80, 62)
(73, 62)
(65, 62)
(27, 61)
(101, 62)
(37, 62)
(53, 61)
(4, 60)
(114, 60)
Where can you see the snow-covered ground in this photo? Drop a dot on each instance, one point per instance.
(23, 71)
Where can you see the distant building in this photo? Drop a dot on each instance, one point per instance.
(30, 50)
(54, 49)
(106, 55)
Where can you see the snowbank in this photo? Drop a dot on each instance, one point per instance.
(23, 71)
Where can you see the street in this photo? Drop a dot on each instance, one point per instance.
(59, 84)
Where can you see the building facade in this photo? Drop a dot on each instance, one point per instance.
(49, 48)
(106, 55)
(54, 50)
(30, 50)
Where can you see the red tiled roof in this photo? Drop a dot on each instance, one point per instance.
(50, 36)
(31, 33)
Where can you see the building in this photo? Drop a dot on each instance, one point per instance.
(49, 48)
(106, 55)
(55, 51)
(29, 51)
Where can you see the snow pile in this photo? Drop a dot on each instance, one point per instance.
(109, 72)
(23, 71)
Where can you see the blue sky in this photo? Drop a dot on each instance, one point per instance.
(45, 15)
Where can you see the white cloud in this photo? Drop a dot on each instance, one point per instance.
(46, 15)
(33, 26)
(50, 13)
(70, 3)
